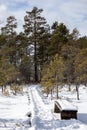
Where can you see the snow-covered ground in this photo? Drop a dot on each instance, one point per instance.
(80, 104)
(44, 118)
(14, 111)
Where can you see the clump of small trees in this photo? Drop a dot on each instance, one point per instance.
(53, 76)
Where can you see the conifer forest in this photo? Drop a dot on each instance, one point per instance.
(51, 55)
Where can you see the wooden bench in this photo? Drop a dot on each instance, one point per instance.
(66, 110)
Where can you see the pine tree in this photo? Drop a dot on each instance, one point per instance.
(58, 39)
(34, 27)
(69, 52)
(54, 74)
(8, 52)
(80, 67)
(8, 73)
(23, 57)
(10, 35)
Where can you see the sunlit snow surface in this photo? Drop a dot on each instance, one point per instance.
(14, 111)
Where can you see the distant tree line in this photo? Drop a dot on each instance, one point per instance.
(51, 55)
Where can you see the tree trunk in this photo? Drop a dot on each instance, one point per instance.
(51, 94)
(57, 96)
(35, 52)
(2, 89)
(69, 87)
(35, 64)
(77, 90)
(47, 92)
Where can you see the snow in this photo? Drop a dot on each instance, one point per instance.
(66, 105)
(14, 111)
(44, 117)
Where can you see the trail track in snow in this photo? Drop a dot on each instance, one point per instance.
(43, 116)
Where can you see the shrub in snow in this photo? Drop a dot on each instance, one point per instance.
(6, 93)
(16, 88)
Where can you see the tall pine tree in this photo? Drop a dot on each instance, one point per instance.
(34, 27)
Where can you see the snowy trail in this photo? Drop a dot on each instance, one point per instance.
(43, 118)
